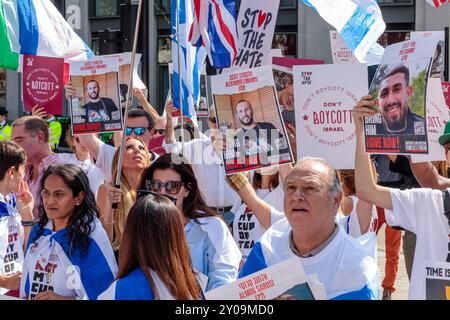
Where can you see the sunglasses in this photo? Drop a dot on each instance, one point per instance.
(144, 193)
(160, 131)
(139, 131)
(171, 187)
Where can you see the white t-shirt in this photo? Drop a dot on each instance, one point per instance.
(246, 228)
(350, 223)
(421, 211)
(95, 175)
(105, 159)
(11, 239)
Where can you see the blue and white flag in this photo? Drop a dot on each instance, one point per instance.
(359, 22)
(192, 60)
(37, 28)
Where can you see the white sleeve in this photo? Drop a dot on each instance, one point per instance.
(275, 216)
(187, 149)
(105, 159)
(414, 207)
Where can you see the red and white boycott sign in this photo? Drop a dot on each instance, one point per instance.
(324, 98)
(43, 83)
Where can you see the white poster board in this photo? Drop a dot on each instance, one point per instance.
(339, 49)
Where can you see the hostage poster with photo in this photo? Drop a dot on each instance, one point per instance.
(339, 49)
(446, 91)
(125, 73)
(256, 26)
(43, 83)
(324, 98)
(437, 116)
(284, 83)
(95, 108)
(437, 65)
(399, 89)
(249, 117)
(437, 280)
(202, 110)
(283, 281)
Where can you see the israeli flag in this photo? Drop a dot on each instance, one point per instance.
(359, 22)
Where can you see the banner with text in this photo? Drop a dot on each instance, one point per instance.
(95, 107)
(43, 83)
(256, 26)
(399, 88)
(339, 50)
(249, 117)
(324, 98)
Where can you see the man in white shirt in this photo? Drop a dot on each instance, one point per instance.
(207, 167)
(420, 211)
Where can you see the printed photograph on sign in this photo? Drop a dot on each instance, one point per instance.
(437, 65)
(202, 109)
(43, 83)
(287, 42)
(95, 107)
(446, 90)
(399, 91)
(2, 87)
(250, 120)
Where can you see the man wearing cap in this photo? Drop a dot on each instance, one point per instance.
(5, 128)
(393, 99)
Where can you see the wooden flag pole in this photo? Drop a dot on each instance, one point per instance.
(128, 103)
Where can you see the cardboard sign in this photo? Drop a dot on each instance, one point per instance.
(43, 83)
(95, 108)
(256, 26)
(399, 88)
(437, 116)
(339, 49)
(437, 65)
(284, 281)
(324, 99)
(249, 117)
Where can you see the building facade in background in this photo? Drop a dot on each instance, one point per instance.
(107, 26)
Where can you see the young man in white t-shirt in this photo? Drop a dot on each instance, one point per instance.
(16, 217)
(420, 211)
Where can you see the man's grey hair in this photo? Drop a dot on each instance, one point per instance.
(333, 178)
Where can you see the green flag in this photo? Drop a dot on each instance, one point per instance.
(8, 58)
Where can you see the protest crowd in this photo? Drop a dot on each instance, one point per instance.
(278, 191)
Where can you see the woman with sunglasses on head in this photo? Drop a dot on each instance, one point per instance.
(154, 261)
(212, 248)
(135, 159)
(68, 255)
(81, 157)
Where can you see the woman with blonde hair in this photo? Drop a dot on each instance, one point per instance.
(136, 158)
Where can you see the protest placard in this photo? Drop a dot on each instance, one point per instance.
(339, 49)
(202, 110)
(399, 89)
(249, 116)
(437, 65)
(283, 281)
(125, 73)
(284, 83)
(256, 26)
(324, 98)
(446, 91)
(437, 280)
(42, 83)
(437, 116)
(95, 107)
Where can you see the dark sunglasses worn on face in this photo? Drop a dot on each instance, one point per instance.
(172, 187)
(139, 131)
(144, 193)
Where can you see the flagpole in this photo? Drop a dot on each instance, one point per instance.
(179, 74)
(128, 102)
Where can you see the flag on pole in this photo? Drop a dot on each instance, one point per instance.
(437, 3)
(359, 22)
(36, 27)
(214, 27)
(191, 58)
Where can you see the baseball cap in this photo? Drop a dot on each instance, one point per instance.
(3, 111)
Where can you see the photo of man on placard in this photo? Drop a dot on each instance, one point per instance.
(98, 108)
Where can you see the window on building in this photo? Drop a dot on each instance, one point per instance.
(106, 8)
(162, 6)
(2, 87)
(164, 50)
(391, 37)
(395, 2)
(288, 4)
(164, 85)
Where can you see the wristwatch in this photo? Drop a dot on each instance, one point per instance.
(27, 223)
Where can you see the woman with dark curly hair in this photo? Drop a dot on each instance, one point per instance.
(212, 248)
(154, 261)
(68, 255)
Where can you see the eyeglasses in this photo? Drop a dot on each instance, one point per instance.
(139, 131)
(160, 131)
(171, 187)
(143, 193)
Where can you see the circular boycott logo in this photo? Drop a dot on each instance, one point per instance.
(42, 85)
(326, 115)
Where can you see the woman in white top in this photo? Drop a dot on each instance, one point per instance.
(154, 259)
